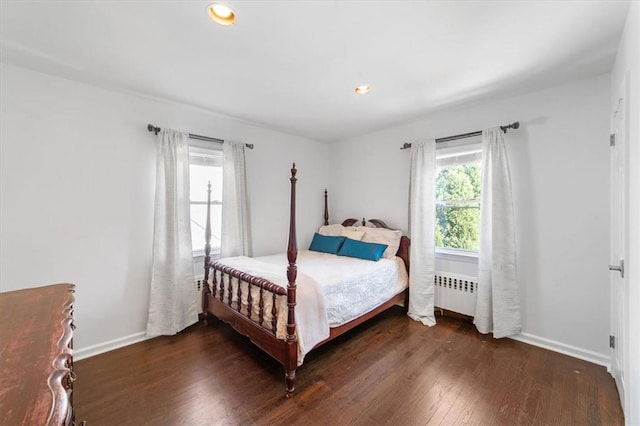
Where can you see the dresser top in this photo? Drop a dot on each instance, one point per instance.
(35, 352)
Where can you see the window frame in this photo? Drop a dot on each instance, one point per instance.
(212, 150)
(458, 152)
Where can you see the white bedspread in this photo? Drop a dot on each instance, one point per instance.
(351, 287)
(331, 290)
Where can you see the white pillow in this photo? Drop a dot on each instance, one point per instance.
(390, 237)
(352, 233)
(331, 230)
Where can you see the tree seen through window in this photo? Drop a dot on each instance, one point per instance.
(458, 206)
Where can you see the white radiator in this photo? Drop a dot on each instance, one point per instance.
(456, 293)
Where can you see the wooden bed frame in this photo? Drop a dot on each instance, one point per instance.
(217, 295)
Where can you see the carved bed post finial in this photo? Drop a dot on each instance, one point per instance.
(326, 208)
(292, 272)
(207, 256)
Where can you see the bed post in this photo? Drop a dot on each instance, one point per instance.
(292, 271)
(326, 209)
(206, 290)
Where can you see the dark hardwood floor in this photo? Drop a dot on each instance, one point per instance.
(391, 370)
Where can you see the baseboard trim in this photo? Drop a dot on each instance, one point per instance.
(100, 348)
(552, 345)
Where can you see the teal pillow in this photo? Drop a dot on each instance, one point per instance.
(326, 244)
(362, 250)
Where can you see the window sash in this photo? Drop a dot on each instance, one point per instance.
(204, 203)
(458, 160)
(458, 153)
(205, 156)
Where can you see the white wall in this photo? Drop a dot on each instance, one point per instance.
(628, 62)
(77, 190)
(559, 162)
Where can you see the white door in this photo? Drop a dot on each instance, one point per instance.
(619, 241)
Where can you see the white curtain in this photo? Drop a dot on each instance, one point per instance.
(235, 238)
(173, 301)
(498, 303)
(422, 213)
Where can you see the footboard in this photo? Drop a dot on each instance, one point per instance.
(254, 307)
(252, 298)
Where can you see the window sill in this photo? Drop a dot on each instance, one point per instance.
(457, 255)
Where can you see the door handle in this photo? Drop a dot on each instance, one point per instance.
(618, 268)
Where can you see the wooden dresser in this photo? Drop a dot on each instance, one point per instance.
(36, 356)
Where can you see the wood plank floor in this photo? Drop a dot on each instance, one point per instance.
(391, 370)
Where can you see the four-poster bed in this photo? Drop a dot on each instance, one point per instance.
(256, 299)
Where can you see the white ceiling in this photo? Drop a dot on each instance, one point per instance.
(293, 65)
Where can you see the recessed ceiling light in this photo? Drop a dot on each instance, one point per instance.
(221, 14)
(362, 90)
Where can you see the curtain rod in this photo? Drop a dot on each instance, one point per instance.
(514, 125)
(156, 130)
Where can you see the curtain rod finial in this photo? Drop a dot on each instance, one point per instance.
(515, 125)
(152, 128)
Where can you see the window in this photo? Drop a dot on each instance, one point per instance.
(458, 198)
(205, 165)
